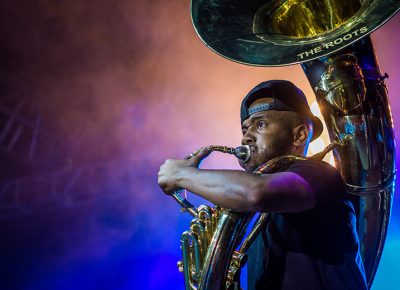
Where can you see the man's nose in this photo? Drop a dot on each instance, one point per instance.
(248, 138)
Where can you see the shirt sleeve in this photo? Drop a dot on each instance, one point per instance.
(323, 178)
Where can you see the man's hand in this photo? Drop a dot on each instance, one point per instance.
(170, 172)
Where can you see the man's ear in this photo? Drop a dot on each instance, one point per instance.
(300, 135)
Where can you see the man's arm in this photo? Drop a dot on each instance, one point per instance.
(238, 190)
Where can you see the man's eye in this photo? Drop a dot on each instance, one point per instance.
(261, 124)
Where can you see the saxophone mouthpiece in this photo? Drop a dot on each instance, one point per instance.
(243, 153)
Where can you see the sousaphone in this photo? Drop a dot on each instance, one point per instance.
(330, 39)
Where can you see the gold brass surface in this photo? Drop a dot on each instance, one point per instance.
(352, 95)
(282, 32)
(305, 18)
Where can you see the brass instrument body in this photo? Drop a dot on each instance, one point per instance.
(228, 234)
(351, 93)
(276, 33)
(195, 243)
(204, 253)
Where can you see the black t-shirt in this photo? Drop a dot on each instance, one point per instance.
(311, 250)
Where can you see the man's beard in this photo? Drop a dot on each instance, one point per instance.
(260, 158)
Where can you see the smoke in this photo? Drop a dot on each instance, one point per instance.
(121, 86)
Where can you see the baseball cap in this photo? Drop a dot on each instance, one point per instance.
(286, 97)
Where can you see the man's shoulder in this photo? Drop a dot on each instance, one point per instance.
(324, 179)
(313, 168)
(311, 162)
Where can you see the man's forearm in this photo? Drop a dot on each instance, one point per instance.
(227, 188)
(238, 190)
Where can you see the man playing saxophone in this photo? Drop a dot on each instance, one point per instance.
(311, 241)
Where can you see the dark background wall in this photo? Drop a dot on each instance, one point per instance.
(94, 95)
